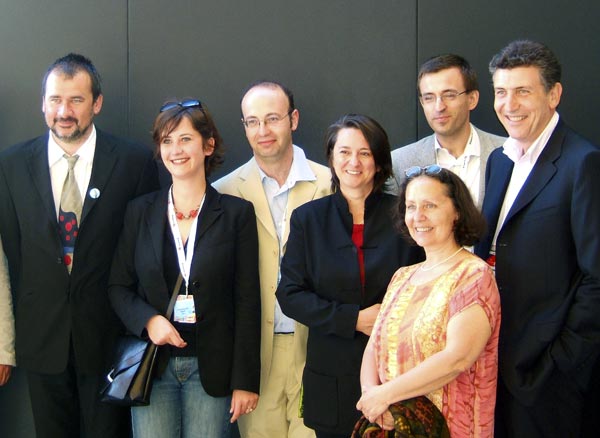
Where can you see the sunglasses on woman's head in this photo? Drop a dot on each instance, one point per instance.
(189, 103)
(414, 171)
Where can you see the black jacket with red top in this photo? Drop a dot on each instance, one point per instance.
(320, 287)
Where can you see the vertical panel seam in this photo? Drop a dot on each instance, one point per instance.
(417, 57)
(128, 70)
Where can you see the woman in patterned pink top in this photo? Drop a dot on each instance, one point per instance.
(437, 331)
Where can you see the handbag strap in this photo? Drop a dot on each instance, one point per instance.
(174, 297)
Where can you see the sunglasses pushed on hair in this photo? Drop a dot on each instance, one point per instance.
(188, 103)
(414, 171)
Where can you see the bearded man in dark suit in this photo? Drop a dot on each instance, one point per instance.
(59, 256)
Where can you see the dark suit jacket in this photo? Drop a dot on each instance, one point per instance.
(51, 306)
(223, 280)
(547, 264)
(320, 287)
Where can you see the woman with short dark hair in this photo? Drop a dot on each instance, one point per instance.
(341, 253)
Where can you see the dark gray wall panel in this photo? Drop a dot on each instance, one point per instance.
(478, 30)
(336, 56)
(34, 33)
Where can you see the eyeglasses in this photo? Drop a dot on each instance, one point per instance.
(188, 103)
(446, 96)
(413, 172)
(254, 122)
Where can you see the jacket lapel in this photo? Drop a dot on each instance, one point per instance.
(211, 210)
(486, 146)
(156, 220)
(37, 162)
(426, 156)
(542, 172)
(301, 193)
(209, 214)
(104, 162)
(252, 190)
(500, 172)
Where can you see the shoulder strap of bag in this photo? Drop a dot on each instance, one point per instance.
(174, 297)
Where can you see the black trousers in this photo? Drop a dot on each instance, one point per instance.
(557, 412)
(67, 405)
(591, 412)
(330, 435)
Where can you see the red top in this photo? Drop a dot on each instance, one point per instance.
(357, 238)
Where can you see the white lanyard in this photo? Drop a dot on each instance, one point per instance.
(184, 258)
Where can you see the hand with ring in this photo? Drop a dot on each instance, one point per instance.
(242, 402)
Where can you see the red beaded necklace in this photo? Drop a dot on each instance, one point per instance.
(191, 215)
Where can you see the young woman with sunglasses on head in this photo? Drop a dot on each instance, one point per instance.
(437, 332)
(208, 364)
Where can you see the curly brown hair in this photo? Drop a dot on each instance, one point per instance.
(470, 225)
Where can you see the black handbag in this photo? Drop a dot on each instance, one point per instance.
(129, 382)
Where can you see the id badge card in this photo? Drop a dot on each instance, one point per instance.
(185, 311)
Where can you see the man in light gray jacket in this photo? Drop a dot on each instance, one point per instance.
(448, 92)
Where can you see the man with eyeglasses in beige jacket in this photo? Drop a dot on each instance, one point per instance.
(277, 179)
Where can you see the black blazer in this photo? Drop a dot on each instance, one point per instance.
(320, 287)
(223, 280)
(51, 306)
(547, 264)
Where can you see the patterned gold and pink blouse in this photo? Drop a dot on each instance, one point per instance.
(411, 327)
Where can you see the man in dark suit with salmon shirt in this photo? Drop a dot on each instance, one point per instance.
(542, 204)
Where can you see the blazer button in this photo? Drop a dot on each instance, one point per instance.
(59, 260)
(196, 284)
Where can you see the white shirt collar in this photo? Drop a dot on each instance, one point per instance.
(472, 148)
(299, 171)
(515, 152)
(85, 151)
